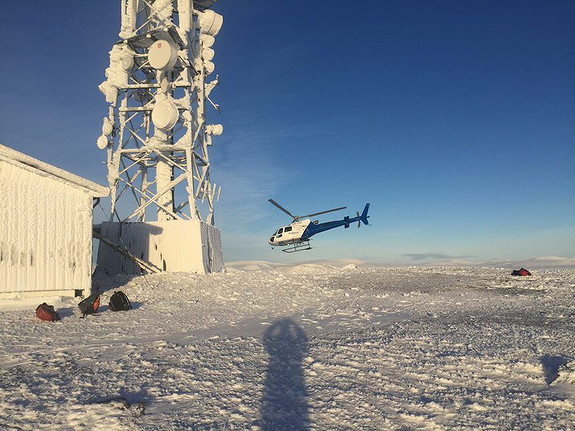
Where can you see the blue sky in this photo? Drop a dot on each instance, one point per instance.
(454, 119)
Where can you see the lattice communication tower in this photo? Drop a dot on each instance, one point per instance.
(157, 138)
(156, 135)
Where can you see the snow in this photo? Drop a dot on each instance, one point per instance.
(338, 346)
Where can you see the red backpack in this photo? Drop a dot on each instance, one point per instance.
(47, 312)
(521, 272)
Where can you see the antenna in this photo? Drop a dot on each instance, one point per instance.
(156, 135)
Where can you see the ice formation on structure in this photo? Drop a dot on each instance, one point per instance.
(156, 135)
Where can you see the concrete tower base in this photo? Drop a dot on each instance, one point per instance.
(168, 246)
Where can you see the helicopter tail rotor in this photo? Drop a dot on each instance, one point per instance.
(363, 217)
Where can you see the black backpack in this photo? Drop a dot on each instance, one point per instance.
(90, 304)
(120, 302)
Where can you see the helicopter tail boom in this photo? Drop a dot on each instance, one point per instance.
(315, 228)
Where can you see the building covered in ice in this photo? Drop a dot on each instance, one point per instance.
(45, 229)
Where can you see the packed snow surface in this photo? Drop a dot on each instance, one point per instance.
(303, 347)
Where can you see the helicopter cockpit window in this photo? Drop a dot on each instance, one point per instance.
(287, 229)
(280, 230)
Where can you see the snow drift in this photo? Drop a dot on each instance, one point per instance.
(316, 346)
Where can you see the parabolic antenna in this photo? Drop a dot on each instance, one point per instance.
(215, 129)
(102, 142)
(156, 133)
(162, 55)
(165, 115)
(210, 22)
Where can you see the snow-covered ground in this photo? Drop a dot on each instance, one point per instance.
(311, 346)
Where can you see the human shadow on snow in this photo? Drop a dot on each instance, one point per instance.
(551, 365)
(284, 404)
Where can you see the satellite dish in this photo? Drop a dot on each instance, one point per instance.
(126, 62)
(107, 127)
(165, 115)
(162, 55)
(210, 22)
(208, 54)
(207, 40)
(215, 129)
(102, 142)
(209, 67)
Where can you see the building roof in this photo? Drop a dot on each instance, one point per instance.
(30, 163)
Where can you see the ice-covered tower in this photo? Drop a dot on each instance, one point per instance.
(156, 137)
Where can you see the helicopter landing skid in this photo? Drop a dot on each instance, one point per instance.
(300, 246)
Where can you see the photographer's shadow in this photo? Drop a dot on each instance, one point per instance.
(284, 402)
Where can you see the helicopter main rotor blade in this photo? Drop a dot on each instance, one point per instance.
(282, 208)
(323, 212)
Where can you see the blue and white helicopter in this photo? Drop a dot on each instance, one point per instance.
(296, 236)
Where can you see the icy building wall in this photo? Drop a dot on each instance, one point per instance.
(46, 233)
(168, 246)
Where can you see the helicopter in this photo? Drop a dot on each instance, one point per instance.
(297, 235)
